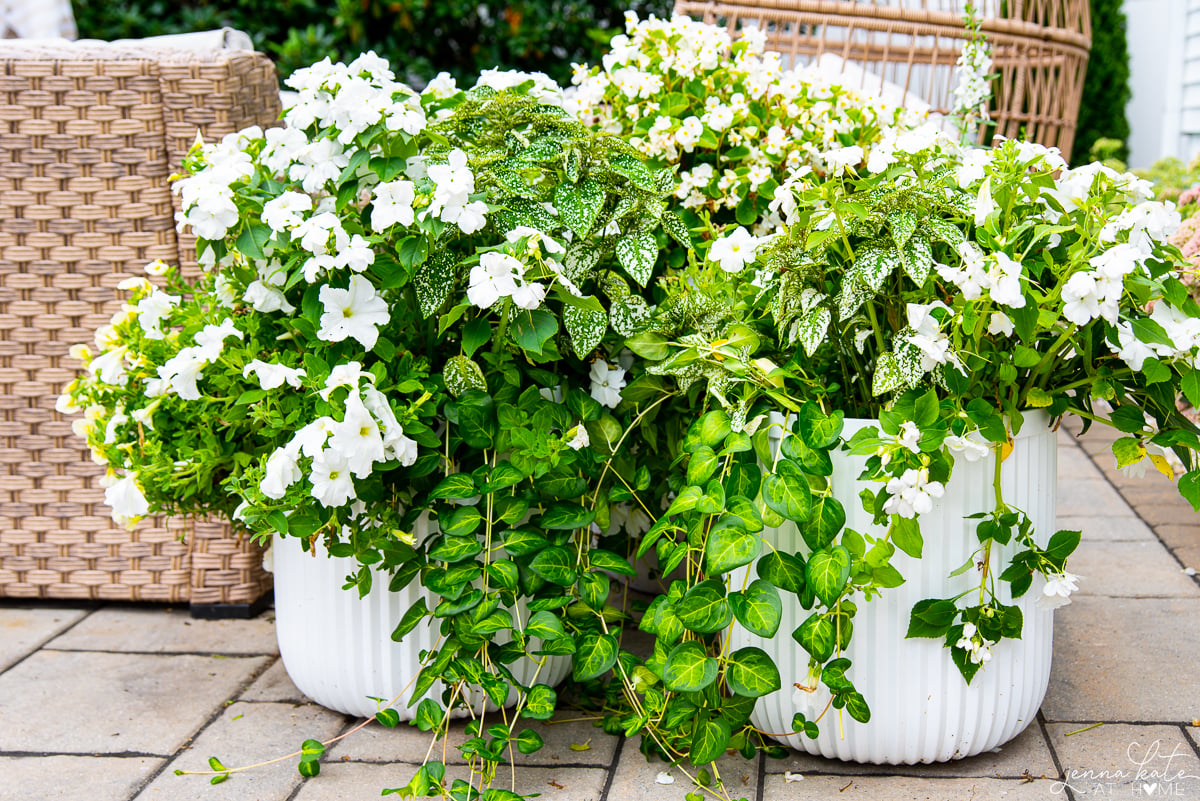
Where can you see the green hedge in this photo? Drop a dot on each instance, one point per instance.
(1106, 87)
(419, 37)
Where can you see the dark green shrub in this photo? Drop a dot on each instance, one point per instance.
(419, 37)
(1106, 87)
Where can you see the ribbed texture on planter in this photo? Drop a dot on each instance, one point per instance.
(921, 709)
(337, 648)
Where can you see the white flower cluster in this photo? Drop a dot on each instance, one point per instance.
(925, 334)
(1058, 589)
(973, 89)
(978, 648)
(912, 493)
(340, 451)
(997, 274)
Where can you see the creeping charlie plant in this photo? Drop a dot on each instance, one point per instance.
(574, 331)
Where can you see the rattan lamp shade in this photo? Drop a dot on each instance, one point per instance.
(1039, 50)
(88, 138)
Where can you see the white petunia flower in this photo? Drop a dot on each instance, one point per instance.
(332, 484)
(273, 376)
(109, 367)
(607, 383)
(282, 471)
(577, 437)
(354, 313)
(345, 375)
(735, 251)
(357, 438)
(310, 440)
(152, 309)
(181, 372)
(842, 158)
(126, 500)
(211, 339)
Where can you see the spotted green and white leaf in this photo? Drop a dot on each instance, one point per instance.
(676, 229)
(580, 205)
(462, 374)
(637, 253)
(433, 283)
(918, 258)
(586, 328)
(580, 259)
(873, 264)
(944, 231)
(902, 224)
(887, 375)
(637, 172)
(629, 315)
(810, 329)
(751, 673)
(852, 296)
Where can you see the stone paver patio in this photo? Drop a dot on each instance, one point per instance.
(106, 702)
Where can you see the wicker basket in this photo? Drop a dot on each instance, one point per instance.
(1039, 50)
(88, 138)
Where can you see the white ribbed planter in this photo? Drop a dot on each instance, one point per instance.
(921, 709)
(338, 648)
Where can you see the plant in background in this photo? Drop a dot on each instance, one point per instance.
(973, 91)
(1106, 89)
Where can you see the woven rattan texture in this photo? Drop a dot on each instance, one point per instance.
(88, 139)
(1039, 50)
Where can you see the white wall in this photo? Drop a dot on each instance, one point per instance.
(1163, 113)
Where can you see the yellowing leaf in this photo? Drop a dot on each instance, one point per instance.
(1162, 465)
(586, 746)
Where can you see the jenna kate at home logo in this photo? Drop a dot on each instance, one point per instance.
(1156, 770)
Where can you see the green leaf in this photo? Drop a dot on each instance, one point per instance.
(818, 430)
(1191, 388)
(676, 229)
(815, 635)
(545, 625)
(729, 547)
(415, 614)
(1062, 545)
(758, 608)
(522, 542)
(528, 741)
(743, 513)
(596, 653)
(456, 485)
(784, 570)
(906, 535)
(252, 240)
(827, 573)
(463, 521)
(539, 704)
(689, 668)
(636, 254)
(1189, 488)
(388, 718)
(704, 608)
(856, 705)
(710, 430)
(566, 517)
(932, 618)
(225, 776)
(787, 493)
(709, 741)
(750, 672)
(215, 764)
(827, 520)
(309, 769)
(531, 330)
(555, 565)
(433, 283)
(701, 465)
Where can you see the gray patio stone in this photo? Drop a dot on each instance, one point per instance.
(1091, 497)
(246, 734)
(1026, 754)
(1130, 570)
(636, 777)
(1073, 463)
(1125, 660)
(1179, 535)
(81, 702)
(162, 631)
(340, 781)
(73, 778)
(24, 629)
(1107, 529)
(902, 788)
(408, 744)
(275, 685)
(1119, 761)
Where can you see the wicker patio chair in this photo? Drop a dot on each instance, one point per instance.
(88, 137)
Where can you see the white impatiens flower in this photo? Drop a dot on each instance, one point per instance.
(354, 313)
(285, 212)
(273, 376)
(909, 436)
(392, 204)
(1058, 589)
(999, 323)
(493, 278)
(735, 251)
(282, 471)
(913, 493)
(332, 484)
(968, 446)
(927, 336)
(1081, 298)
(985, 206)
(1004, 279)
(126, 500)
(607, 383)
(842, 158)
(979, 648)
